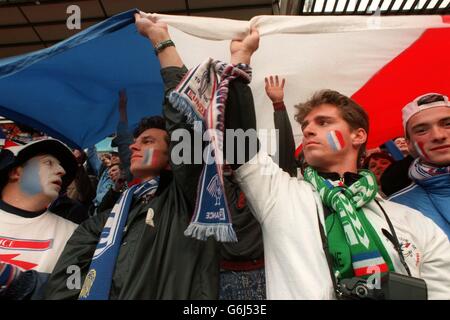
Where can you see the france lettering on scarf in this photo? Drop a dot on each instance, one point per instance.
(336, 140)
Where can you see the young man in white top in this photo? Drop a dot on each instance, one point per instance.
(332, 226)
(31, 237)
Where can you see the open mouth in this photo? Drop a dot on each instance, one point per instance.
(58, 183)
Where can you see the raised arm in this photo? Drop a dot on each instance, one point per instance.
(124, 138)
(186, 174)
(285, 143)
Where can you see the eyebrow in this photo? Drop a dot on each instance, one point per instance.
(316, 119)
(425, 124)
(147, 137)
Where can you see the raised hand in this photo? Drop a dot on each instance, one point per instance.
(123, 105)
(147, 26)
(242, 50)
(275, 89)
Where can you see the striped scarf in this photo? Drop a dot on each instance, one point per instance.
(8, 273)
(201, 96)
(353, 243)
(419, 171)
(98, 280)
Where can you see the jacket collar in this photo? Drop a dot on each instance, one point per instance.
(349, 177)
(439, 184)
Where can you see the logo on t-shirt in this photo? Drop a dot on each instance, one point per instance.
(25, 244)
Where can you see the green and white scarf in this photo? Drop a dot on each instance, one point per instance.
(353, 243)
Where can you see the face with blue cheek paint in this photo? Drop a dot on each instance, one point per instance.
(42, 175)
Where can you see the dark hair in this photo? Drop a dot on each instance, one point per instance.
(154, 122)
(375, 156)
(352, 113)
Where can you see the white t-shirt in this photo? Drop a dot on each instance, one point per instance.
(33, 243)
(295, 262)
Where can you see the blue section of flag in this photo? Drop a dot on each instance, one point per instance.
(365, 256)
(71, 90)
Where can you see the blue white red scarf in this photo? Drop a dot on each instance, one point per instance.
(201, 96)
(97, 284)
(420, 171)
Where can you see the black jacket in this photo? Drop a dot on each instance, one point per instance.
(154, 262)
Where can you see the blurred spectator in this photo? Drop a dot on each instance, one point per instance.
(378, 162)
(401, 144)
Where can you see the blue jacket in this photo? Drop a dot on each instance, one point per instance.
(431, 196)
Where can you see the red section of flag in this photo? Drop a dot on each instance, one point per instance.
(446, 19)
(360, 272)
(9, 243)
(8, 258)
(421, 68)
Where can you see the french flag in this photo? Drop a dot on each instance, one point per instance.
(365, 264)
(336, 140)
(382, 62)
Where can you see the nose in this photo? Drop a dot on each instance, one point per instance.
(308, 131)
(438, 134)
(60, 171)
(134, 147)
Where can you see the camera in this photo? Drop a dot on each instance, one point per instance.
(391, 286)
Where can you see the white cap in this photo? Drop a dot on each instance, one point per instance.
(421, 103)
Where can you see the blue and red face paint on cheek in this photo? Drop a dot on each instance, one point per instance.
(420, 150)
(335, 140)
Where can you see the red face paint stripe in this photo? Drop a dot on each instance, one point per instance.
(340, 138)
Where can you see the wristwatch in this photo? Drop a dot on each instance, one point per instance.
(162, 45)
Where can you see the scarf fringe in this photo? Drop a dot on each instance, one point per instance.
(182, 105)
(201, 231)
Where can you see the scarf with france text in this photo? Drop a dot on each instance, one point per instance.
(201, 96)
(352, 241)
(98, 280)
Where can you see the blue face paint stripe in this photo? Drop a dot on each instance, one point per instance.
(148, 156)
(331, 141)
(30, 182)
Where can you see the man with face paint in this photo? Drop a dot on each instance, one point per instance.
(31, 237)
(426, 121)
(138, 249)
(332, 225)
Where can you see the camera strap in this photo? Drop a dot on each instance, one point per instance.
(392, 236)
(337, 292)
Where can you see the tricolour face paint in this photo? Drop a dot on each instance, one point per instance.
(335, 140)
(30, 181)
(150, 156)
(420, 150)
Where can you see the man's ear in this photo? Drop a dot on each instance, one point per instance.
(15, 174)
(358, 137)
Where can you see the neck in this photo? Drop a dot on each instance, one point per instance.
(149, 177)
(339, 169)
(12, 195)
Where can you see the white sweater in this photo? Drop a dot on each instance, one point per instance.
(296, 265)
(33, 243)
